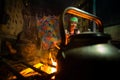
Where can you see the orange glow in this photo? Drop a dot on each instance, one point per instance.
(48, 69)
(84, 15)
(29, 71)
(44, 67)
(55, 64)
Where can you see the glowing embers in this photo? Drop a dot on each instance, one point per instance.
(29, 71)
(49, 69)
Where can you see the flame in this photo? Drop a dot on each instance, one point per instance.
(46, 68)
(55, 64)
(53, 69)
(27, 71)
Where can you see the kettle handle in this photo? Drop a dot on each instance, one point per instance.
(81, 13)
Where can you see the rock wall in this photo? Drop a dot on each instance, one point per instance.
(14, 24)
(114, 31)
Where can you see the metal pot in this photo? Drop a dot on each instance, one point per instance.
(95, 61)
(88, 56)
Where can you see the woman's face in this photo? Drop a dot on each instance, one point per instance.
(73, 25)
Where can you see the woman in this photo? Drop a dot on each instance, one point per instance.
(72, 28)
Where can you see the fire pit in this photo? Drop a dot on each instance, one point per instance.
(28, 72)
(46, 68)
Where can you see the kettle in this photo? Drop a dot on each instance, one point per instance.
(88, 55)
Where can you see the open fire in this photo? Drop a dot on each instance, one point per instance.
(30, 66)
(41, 70)
(44, 67)
(21, 70)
